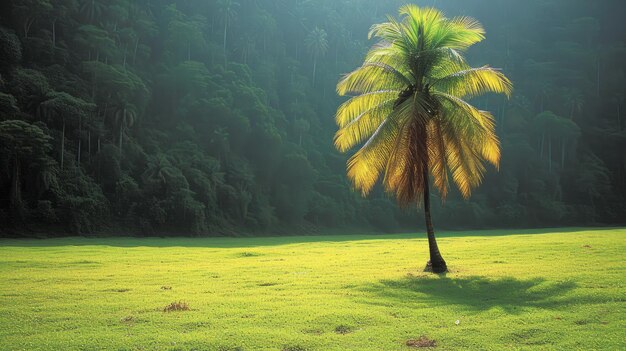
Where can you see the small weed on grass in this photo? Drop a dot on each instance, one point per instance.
(268, 284)
(294, 348)
(343, 329)
(176, 306)
(421, 342)
(249, 254)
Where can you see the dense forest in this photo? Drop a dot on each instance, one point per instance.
(197, 117)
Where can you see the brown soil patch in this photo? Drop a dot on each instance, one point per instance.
(176, 306)
(421, 342)
(343, 329)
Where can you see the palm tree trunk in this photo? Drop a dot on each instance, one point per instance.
(314, 69)
(54, 33)
(125, 52)
(598, 78)
(121, 136)
(437, 264)
(29, 22)
(122, 125)
(16, 198)
(80, 132)
(225, 29)
(563, 153)
(619, 122)
(135, 50)
(543, 139)
(550, 154)
(92, 10)
(62, 144)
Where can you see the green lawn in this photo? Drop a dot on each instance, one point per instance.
(526, 290)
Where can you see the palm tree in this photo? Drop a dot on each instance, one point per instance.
(159, 170)
(317, 44)
(575, 101)
(125, 117)
(246, 46)
(24, 146)
(92, 9)
(228, 8)
(545, 89)
(409, 108)
(65, 109)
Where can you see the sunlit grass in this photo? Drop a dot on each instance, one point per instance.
(562, 290)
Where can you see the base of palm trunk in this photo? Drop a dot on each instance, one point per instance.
(436, 267)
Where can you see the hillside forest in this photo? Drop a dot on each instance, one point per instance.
(196, 117)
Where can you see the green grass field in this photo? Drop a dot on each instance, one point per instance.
(508, 290)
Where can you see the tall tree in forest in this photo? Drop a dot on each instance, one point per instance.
(23, 145)
(125, 117)
(574, 101)
(317, 43)
(60, 12)
(92, 9)
(228, 8)
(65, 108)
(27, 12)
(409, 106)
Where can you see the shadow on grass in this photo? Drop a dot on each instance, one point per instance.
(478, 293)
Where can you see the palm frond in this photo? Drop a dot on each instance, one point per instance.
(410, 107)
(460, 33)
(473, 82)
(357, 105)
(437, 156)
(371, 76)
(366, 165)
(473, 125)
(362, 127)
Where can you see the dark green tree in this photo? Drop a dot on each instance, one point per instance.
(23, 145)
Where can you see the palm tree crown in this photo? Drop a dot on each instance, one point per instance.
(408, 107)
(317, 42)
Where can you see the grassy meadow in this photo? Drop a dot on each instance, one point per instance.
(507, 290)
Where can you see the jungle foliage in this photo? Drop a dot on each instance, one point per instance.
(216, 117)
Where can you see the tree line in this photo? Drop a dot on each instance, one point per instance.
(216, 117)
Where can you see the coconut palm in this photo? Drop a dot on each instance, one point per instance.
(125, 117)
(575, 101)
(66, 109)
(92, 9)
(159, 171)
(228, 9)
(317, 43)
(409, 113)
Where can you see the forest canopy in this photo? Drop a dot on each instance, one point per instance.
(217, 117)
